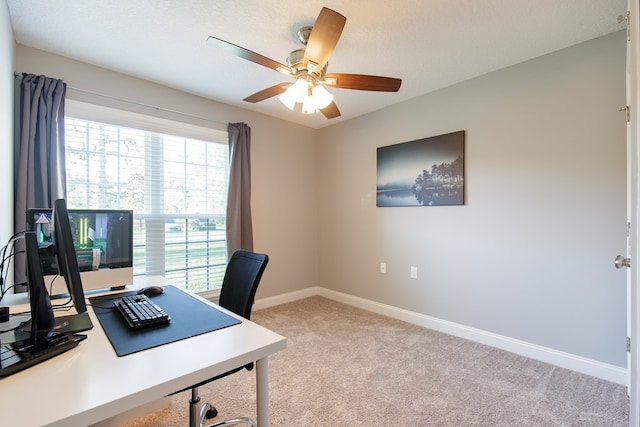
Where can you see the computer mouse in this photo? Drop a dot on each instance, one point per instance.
(151, 290)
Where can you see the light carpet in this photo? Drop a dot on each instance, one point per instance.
(344, 366)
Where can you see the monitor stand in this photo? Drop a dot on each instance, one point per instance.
(73, 323)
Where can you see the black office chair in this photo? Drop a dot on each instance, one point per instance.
(238, 291)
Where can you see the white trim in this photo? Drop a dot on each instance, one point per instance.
(605, 371)
(285, 298)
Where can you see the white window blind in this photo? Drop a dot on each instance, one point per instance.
(176, 186)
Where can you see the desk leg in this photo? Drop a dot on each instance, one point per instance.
(262, 391)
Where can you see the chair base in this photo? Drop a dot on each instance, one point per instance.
(200, 412)
(233, 421)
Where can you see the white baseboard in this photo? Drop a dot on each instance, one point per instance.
(285, 298)
(562, 359)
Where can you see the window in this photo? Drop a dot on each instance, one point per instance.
(176, 186)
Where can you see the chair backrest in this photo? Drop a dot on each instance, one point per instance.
(241, 280)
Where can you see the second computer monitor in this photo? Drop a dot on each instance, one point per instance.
(66, 254)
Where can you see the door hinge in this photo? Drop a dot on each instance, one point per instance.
(628, 345)
(627, 111)
(623, 18)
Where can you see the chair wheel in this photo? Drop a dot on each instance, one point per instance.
(212, 412)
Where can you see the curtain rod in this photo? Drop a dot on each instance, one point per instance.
(141, 104)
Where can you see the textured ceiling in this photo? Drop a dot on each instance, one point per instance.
(429, 44)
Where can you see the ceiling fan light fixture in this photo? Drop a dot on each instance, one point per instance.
(321, 96)
(309, 106)
(313, 97)
(287, 100)
(296, 93)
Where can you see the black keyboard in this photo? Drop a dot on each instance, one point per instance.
(19, 355)
(139, 311)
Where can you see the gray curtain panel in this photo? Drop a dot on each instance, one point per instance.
(239, 226)
(39, 174)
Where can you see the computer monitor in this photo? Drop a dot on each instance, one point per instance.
(66, 254)
(42, 320)
(103, 240)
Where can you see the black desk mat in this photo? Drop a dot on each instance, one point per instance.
(189, 317)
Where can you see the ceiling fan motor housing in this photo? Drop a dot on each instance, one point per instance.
(295, 62)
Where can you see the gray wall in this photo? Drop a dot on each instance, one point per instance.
(530, 255)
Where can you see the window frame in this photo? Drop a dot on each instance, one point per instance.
(125, 118)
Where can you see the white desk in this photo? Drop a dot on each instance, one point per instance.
(90, 383)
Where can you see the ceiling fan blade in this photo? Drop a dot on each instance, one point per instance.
(267, 93)
(362, 82)
(323, 39)
(331, 111)
(248, 55)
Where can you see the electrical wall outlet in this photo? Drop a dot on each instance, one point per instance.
(413, 272)
(383, 267)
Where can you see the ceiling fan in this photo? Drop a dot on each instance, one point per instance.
(308, 66)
